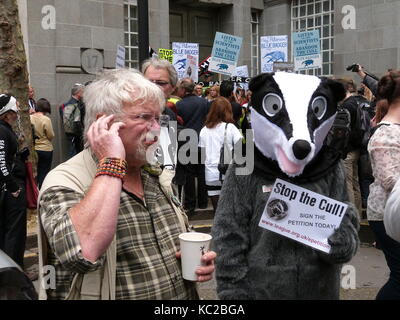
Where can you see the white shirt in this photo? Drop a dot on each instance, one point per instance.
(212, 140)
(166, 153)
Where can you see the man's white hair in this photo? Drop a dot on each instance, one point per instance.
(113, 88)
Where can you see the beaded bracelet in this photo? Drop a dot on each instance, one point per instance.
(113, 167)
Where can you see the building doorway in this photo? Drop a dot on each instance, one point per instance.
(196, 25)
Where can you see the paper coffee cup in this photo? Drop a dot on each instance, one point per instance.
(193, 246)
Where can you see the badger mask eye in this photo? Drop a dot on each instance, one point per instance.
(272, 104)
(319, 106)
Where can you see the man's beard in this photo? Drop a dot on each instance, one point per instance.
(141, 151)
(147, 154)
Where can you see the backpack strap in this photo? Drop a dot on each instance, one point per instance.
(165, 179)
(223, 146)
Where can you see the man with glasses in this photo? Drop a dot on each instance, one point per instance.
(163, 74)
(108, 191)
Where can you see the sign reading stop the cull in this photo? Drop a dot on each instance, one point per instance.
(302, 215)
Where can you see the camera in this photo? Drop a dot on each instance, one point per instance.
(354, 68)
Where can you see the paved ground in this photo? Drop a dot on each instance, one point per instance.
(371, 273)
(370, 269)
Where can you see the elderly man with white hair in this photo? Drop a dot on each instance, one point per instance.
(107, 209)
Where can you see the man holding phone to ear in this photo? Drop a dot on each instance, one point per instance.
(108, 191)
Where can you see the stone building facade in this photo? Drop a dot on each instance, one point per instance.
(68, 41)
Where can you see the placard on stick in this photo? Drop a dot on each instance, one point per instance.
(225, 53)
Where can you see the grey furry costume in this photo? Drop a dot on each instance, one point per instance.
(254, 263)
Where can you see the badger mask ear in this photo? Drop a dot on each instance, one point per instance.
(337, 88)
(259, 80)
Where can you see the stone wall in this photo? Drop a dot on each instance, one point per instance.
(374, 42)
(55, 54)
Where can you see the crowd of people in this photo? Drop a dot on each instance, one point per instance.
(372, 166)
(110, 193)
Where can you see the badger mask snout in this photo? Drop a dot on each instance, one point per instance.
(301, 149)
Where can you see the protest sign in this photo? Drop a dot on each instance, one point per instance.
(203, 66)
(306, 50)
(206, 84)
(242, 72)
(181, 53)
(165, 54)
(240, 79)
(225, 53)
(120, 60)
(273, 49)
(302, 215)
(283, 66)
(191, 70)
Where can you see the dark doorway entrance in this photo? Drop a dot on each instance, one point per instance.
(196, 25)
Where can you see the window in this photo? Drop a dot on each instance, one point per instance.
(131, 34)
(316, 15)
(254, 42)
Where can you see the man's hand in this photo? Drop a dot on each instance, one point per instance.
(205, 272)
(361, 72)
(103, 137)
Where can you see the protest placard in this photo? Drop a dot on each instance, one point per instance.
(203, 66)
(283, 66)
(307, 50)
(242, 72)
(302, 215)
(225, 53)
(181, 53)
(165, 54)
(192, 68)
(120, 59)
(273, 49)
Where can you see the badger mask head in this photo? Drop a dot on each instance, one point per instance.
(291, 114)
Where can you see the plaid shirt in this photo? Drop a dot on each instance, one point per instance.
(147, 239)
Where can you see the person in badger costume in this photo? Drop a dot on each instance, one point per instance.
(291, 115)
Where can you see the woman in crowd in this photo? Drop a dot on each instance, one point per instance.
(219, 122)
(240, 96)
(384, 150)
(44, 134)
(213, 93)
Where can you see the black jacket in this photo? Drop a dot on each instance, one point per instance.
(351, 104)
(193, 111)
(372, 84)
(8, 151)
